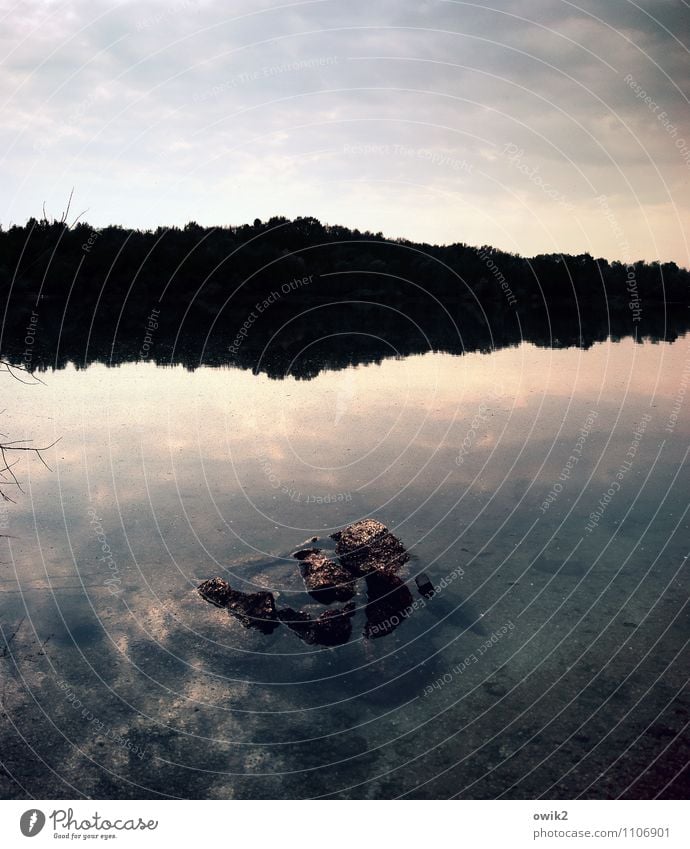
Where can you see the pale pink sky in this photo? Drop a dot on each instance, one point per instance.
(535, 126)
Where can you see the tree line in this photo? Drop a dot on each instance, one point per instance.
(259, 295)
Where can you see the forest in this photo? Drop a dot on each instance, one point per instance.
(298, 296)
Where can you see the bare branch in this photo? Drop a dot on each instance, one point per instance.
(11, 367)
(8, 468)
(7, 475)
(66, 212)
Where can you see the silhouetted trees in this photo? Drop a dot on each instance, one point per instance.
(89, 294)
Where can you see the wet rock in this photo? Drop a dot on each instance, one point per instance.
(216, 590)
(368, 546)
(325, 579)
(390, 603)
(331, 628)
(334, 627)
(303, 553)
(254, 610)
(298, 621)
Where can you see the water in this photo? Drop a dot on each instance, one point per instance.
(551, 663)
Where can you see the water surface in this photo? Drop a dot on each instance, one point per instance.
(551, 663)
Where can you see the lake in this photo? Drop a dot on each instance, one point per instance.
(544, 490)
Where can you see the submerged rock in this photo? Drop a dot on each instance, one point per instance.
(303, 553)
(298, 621)
(254, 610)
(390, 603)
(368, 546)
(331, 628)
(325, 579)
(365, 548)
(216, 590)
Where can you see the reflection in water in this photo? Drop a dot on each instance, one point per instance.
(328, 335)
(298, 297)
(555, 646)
(390, 601)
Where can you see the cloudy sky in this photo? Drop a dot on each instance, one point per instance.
(532, 125)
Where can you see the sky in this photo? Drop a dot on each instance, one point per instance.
(535, 126)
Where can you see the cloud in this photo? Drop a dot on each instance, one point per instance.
(159, 114)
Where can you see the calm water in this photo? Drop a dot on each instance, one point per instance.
(553, 665)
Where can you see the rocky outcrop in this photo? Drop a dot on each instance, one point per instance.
(364, 549)
(254, 610)
(389, 603)
(331, 628)
(368, 546)
(216, 590)
(325, 579)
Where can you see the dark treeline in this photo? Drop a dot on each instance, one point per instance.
(300, 296)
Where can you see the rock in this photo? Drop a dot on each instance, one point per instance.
(325, 579)
(331, 628)
(390, 602)
(298, 621)
(254, 610)
(216, 590)
(334, 627)
(424, 585)
(368, 546)
(303, 553)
